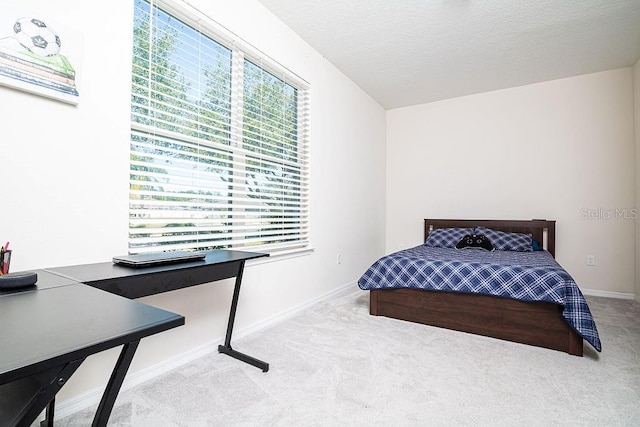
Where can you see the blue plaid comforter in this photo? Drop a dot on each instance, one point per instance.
(527, 276)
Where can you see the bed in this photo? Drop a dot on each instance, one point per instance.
(523, 296)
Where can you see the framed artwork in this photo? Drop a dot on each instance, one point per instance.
(39, 55)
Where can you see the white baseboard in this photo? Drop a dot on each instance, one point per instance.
(609, 294)
(92, 397)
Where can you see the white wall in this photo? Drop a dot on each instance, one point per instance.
(65, 196)
(547, 150)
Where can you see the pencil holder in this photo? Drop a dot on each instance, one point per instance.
(5, 261)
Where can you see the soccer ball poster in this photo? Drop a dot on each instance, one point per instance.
(37, 54)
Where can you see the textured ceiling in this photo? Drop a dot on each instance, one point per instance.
(407, 52)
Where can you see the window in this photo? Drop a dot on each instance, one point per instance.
(218, 140)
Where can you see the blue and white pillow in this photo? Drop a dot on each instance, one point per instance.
(446, 237)
(503, 241)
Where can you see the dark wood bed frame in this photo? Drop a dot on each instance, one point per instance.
(535, 323)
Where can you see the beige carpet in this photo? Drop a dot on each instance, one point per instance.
(335, 365)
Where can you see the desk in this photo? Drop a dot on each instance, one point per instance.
(139, 282)
(49, 330)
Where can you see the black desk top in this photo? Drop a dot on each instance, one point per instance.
(45, 280)
(134, 282)
(61, 321)
(89, 273)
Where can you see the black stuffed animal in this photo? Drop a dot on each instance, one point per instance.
(475, 241)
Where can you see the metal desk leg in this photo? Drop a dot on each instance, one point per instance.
(226, 348)
(49, 414)
(43, 390)
(114, 384)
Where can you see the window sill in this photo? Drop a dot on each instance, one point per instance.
(281, 256)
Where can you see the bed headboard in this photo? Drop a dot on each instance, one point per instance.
(535, 227)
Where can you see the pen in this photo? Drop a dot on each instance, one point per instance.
(4, 259)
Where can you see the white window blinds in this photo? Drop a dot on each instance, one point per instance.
(219, 155)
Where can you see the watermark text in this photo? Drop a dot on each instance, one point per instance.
(607, 214)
